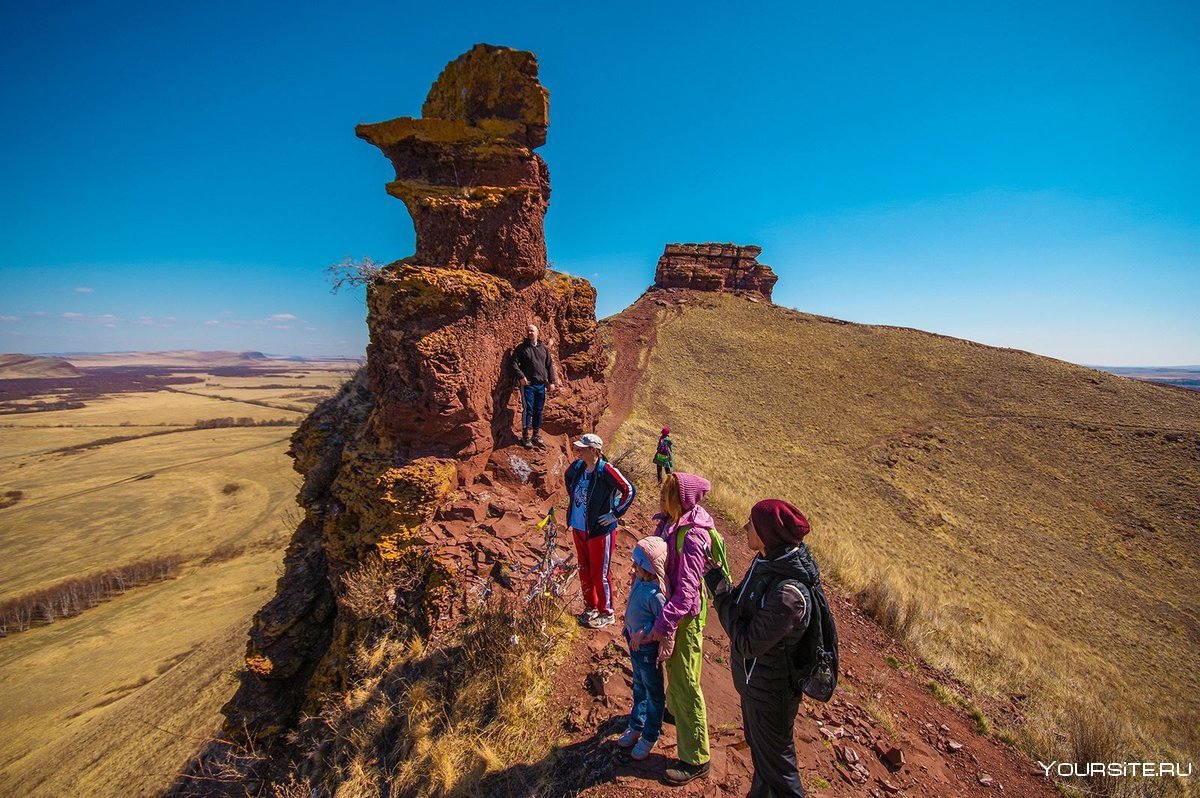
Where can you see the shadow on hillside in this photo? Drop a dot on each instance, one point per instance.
(569, 770)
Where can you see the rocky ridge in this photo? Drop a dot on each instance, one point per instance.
(415, 463)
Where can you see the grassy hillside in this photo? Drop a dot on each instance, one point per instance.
(1028, 524)
(20, 366)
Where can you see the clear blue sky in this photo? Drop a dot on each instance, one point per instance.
(1023, 174)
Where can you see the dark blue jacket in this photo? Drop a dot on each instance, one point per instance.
(607, 485)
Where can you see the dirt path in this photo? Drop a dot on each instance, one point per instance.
(630, 335)
(883, 700)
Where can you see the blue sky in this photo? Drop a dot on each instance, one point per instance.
(1021, 174)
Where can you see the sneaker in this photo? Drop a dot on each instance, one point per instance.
(681, 772)
(586, 617)
(630, 737)
(599, 621)
(642, 749)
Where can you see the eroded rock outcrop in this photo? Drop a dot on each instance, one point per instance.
(415, 463)
(714, 267)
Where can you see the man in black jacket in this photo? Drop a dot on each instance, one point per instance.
(535, 371)
(765, 617)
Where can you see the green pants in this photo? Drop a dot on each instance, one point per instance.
(684, 699)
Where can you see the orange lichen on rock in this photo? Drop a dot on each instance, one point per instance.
(259, 664)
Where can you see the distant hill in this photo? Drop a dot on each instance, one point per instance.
(1179, 376)
(178, 357)
(185, 358)
(16, 366)
(1029, 524)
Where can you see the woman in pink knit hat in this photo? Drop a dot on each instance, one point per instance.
(766, 616)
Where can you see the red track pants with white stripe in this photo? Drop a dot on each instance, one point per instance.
(595, 569)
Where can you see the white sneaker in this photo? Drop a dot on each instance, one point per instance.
(599, 621)
(586, 617)
(642, 749)
(630, 737)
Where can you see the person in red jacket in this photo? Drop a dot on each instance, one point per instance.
(598, 495)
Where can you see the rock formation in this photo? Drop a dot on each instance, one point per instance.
(415, 464)
(714, 267)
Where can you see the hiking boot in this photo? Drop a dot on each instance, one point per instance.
(681, 772)
(630, 737)
(528, 444)
(642, 749)
(599, 621)
(537, 439)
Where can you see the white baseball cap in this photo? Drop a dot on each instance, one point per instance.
(589, 441)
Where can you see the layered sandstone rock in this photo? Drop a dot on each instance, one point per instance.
(415, 464)
(714, 267)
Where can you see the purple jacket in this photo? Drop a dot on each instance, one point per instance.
(685, 572)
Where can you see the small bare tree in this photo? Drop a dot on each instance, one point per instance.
(354, 273)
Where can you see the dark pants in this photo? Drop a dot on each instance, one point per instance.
(660, 471)
(768, 729)
(649, 697)
(535, 400)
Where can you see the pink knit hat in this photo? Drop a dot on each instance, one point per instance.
(654, 549)
(691, 489)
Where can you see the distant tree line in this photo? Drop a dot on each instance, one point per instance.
(229, 421)
(38, 406)
(201, 423)
(73, 596)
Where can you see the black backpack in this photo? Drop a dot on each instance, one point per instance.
(814, 660)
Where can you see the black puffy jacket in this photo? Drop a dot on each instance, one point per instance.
(765, 617)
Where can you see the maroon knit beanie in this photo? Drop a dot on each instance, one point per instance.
(778, 523)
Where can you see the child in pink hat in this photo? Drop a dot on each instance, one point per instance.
(646, 600)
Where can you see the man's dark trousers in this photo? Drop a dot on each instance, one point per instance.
(535, 400)
(768, 730)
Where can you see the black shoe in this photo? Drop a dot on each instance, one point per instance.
(681, 772)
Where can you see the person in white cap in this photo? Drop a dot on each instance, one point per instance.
(598, 495)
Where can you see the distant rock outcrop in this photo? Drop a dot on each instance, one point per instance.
(714, 267)
(415, 465)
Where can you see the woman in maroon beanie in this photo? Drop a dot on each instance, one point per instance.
(765, 616)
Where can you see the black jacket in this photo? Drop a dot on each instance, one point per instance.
(534, 362)
(607, 483)
(765, 619)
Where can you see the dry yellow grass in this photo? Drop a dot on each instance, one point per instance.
(1032, 524)
(159, 407)
(445, 721)
(114, 701)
